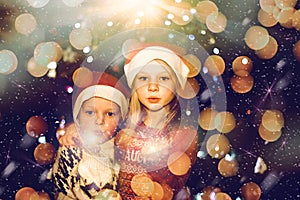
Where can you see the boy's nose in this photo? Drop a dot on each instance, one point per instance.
(99, 119)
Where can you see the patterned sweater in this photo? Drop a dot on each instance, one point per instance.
(78, 174)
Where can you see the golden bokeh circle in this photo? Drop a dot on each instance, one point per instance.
(217, 146)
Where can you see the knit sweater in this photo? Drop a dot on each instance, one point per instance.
(144, 156)
(80, 174)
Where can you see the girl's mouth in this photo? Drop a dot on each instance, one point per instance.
(153, 100)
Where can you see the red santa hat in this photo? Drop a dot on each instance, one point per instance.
(105, 86)
(149, 53)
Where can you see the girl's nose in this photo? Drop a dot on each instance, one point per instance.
(153, 86)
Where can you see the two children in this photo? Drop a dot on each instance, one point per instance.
(155, 150)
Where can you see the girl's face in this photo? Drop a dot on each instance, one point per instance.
(98, 119)
(154, 86)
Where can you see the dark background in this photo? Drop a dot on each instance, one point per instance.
(22, 96)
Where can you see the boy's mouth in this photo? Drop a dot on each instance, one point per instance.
(99, 133)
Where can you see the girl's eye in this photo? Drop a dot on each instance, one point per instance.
(164, 78)
(143, 78)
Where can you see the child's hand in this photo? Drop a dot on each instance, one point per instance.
(71, 137)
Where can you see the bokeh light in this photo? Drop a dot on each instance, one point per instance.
(222, 196)
(206, 119)
(142, 185)
(190, 90)
(225, 121)
(285, 17)
(204, 9)
(269, 51)
(242, 84)
(267, 5)
(216, 23)
(256, 37)
(38, 3)
(25, 193)
(250, 190)
(266, 19)
(82, 77)
(273, 120)
(44, 154)
(8, 61)
(217, 146)
(179, 163)
(158, 192)
(25, 23)
(267, 135)
(215, 65)
(36, 126)
(80, 38)
(228, 167)
(285, 3)
(35, 69)
(242, 65)
(47, 52)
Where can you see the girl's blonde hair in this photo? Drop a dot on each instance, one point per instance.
(136, 109)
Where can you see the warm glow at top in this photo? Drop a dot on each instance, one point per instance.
(142, 8)
(140, 11)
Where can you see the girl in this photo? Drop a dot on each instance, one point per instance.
(88, 171)
(156, 150)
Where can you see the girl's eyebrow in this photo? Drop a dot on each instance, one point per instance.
(149, 73)
(165, 73)
(143, 73)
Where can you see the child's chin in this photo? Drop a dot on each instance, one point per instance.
(155, 107)
(94, 141)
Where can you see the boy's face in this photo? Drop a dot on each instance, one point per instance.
(98, 119)
(154, 86)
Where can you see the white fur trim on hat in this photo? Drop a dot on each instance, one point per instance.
(148, 54)
(103, 91)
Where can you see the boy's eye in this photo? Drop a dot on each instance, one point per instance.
(110, 114)
(89, 112)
